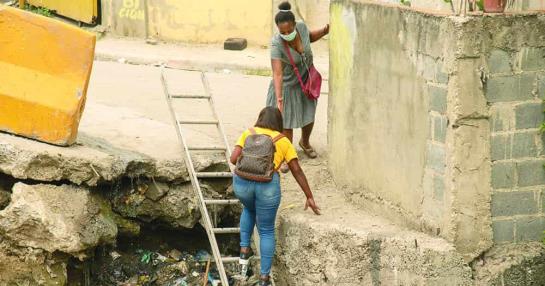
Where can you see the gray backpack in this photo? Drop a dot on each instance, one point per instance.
(256, 161)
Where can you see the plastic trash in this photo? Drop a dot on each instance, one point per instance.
(212, 280)
(175, 254)
(146, 257)
(115, 255)
(180, 282)
(202, 255)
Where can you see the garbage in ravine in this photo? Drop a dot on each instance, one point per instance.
(143, 267)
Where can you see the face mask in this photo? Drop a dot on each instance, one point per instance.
(290, 37)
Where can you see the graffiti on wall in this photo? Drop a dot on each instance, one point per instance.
(132, 9)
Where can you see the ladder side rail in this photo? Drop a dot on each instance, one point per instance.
(196, 187)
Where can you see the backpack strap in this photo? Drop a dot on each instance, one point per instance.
(278, 137)
(252, 131)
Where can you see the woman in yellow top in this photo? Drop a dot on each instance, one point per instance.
(261, 200)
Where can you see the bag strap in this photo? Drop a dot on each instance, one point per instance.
(275, 139)
(278, 137)
(292, 62)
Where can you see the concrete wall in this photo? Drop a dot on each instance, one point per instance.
(413, 103)
(515, 89)
(380, 112)
(207, 21)
(443, 7)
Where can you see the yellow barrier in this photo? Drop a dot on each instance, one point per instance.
(82, 10)
(44, 73)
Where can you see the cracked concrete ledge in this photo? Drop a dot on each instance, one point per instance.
(116, 143)
(353, 247)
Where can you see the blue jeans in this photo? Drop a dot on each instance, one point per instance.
(261, 202)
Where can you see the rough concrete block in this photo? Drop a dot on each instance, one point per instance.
(503, 175)
(529, 228)
(499, 61)
(441, 76)
(438, 187)
(529, 115)
(510, 88)
(430, 66)
(503, 230)
(440, 128)
(436, 158)
(502, 117)
(500, 147)
(527, 83)
(542, 196)
(531, 173)
(235, 44)
(541, 143)
(514, 203)
(541, 86)
(532, 59)
(438, 98)
(524, 145)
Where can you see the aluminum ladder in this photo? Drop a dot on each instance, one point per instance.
(210, 225)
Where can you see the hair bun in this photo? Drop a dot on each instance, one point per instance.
(284, 6)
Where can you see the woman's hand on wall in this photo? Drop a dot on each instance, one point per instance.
(312, 204)
(318, 34)
(326, 29)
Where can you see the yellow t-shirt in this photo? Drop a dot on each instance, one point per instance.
(284, 149)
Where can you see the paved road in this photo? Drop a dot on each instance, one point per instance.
(138, 88)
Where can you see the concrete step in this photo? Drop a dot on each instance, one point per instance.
(347, 246)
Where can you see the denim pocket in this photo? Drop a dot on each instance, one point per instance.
(270, 191)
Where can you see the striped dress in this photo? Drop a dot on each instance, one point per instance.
(299, 111)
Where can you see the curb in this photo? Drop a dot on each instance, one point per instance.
(186, 64)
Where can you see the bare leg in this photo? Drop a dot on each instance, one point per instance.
(305, 141)
(305, 138)
(245, 250)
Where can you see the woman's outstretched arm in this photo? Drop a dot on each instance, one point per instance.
(277, 81)
(235, 154)
(318, 34)
(303, 183)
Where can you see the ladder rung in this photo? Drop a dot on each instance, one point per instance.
(231, 259)
(198, 122)
(221, 202)
(226, 229)
(210, 148)
(198, 96)
(214, 175)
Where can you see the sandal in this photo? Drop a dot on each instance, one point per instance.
(308, 151)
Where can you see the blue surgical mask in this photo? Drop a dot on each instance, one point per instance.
(290, 37)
